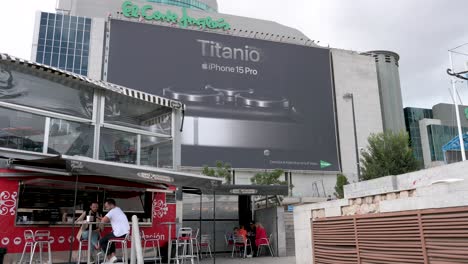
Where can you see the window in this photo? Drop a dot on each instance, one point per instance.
(44, 18)
(55, 57)
(156, 152)
(139, 114)
(21, 130)
(39, 56)
(42, 32)
(48, 95)
(71, 138)
(50, 32)
(118, 146)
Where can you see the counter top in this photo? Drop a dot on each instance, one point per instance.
(42, 223)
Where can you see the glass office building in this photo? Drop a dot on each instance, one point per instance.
(412, 117)
(64, 42)
(439, 135)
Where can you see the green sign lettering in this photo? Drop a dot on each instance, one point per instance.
(324, 164)
(466, 113)
(147, 12)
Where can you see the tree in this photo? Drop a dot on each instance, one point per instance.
(387, 154)
(222, 170)
(341, 181)
(268, 178)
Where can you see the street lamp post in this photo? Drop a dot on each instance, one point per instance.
(460, 134)
(350, 96)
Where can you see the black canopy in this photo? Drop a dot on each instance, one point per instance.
(74, 165)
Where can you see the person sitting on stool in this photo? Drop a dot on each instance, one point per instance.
(83, 234)
(120, 227)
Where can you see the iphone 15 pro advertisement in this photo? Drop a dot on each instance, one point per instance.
(253, 103)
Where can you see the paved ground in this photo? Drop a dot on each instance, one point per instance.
(259, 260)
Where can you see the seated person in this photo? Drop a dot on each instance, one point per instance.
(120, 228)
(83, 233)
(260, 234)
(242, 232)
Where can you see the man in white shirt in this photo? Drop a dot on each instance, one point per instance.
(120, 227)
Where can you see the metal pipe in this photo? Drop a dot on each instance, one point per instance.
(351, 96)
(460, 135)
(214, 227)
(200, 220)
(355, 140)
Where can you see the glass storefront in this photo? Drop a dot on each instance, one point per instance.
(61, 116)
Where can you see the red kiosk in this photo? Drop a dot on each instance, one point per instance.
(67, 141)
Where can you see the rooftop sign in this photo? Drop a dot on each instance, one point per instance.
(147, 12)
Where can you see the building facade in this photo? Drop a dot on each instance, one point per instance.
(430, 129)
(353, 72)
(63, 42)
(391, 102)
(412, 118)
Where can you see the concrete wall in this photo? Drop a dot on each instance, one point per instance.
(390, 90)
(426, 150)
(356, 74)
(439, 187)
(96, 50)
(446, 114)
(37, 24)
(289, 230)
(273, 221)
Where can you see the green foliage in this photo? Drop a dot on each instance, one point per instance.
(268, 178)
(387, 154)
(341, 181)
(222, 170)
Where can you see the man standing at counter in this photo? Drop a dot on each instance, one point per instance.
(120, 227)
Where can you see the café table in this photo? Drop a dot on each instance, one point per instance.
(169, 244)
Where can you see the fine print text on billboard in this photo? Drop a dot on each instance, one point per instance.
(250, 102)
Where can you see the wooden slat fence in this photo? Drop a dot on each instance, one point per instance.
(435, 236)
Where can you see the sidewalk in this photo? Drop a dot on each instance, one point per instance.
(259, 260)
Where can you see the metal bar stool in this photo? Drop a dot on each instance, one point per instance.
(156, 248)
(29, 241)
(197, 244)
(123, 243)
(83, 242)
(205, 242)
(41, 238)
(184, 240)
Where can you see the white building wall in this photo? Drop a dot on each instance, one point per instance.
(425, 141)
(37, 25)
(356, 74)
(96, 49)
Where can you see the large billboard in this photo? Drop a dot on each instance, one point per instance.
(250, 102)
